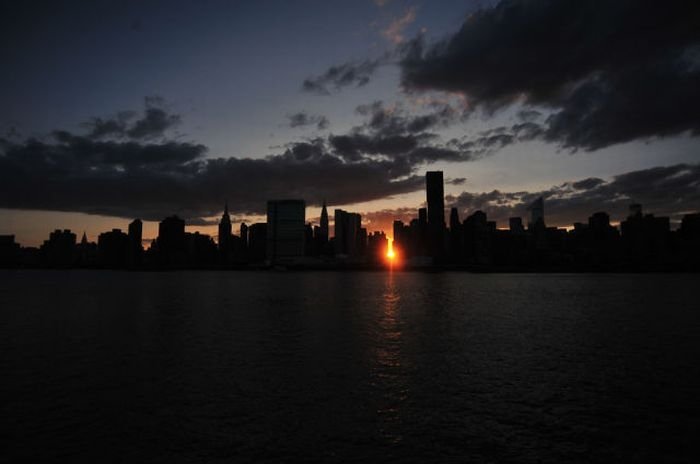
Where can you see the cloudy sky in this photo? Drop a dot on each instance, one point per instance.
(119, 109)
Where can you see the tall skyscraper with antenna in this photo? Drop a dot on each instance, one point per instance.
(324, 223)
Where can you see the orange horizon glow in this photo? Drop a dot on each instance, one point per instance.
(391, 255)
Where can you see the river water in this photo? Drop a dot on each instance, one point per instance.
(173, 367)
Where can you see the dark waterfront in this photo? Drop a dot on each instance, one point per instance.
(309, 367)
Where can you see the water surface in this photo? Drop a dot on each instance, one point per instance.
(329, 367)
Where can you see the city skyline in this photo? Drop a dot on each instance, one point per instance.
(406, 214)
(642, 242)
(368, 97)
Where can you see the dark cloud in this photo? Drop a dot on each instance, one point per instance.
(527, 115)
(115, 169)
(336, 77)
(127, 178)
(392, 134)
(606, 72)
(489, 141)
(153, 123)
(303, 119)
(355, 146)
(456, 181)
(665, 191)
(393, 120)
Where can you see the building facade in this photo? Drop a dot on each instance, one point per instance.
(286, 226)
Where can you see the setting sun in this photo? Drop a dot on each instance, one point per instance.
(390, 254)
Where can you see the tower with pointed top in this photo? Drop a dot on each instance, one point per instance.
(323, 232)
(225, 233)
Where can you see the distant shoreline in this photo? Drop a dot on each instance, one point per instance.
(397, 269)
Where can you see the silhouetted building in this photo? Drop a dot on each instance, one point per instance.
(456, 236)
(377, 246)
(135, 258)
(423, 216)
(347, 233)
(9, 251)
(224, 238)
(285, 231)
(323, 226)
(59, 250)
(477, 238)
(257, 242)
(515, 224)
(244, 234)
(645, 237)
(362, 242)
(690, 240)
(536, 213)
(86, 252)
(171, 242)
(454, 219)
(200, 249)
(436, 214)
(309, 240)
(113, 249)
(690, 226)
(436, 198)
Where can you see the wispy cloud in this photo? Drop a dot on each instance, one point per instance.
(304, 119)
(394, 31)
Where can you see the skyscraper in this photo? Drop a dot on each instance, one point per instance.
(225, 231)
(257, 242)
(436, 213)
(423, 217)
(135, 247)
(171, 241)
(454, 219)
(324, 223)
(135, 232)
(347, 233)
(244, 234)
(285, 230)
(536, 213)
(516, 225)
(436, 198)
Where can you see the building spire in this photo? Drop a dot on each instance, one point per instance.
(324, 221)
(84, 239)
(225, 218)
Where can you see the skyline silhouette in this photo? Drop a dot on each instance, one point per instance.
(641, 242)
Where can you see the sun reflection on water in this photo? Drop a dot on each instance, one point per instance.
(389, 370)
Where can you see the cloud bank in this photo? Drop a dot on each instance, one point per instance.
(128, 166)
(605, 73)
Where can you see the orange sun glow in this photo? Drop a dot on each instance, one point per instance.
(390, 254)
